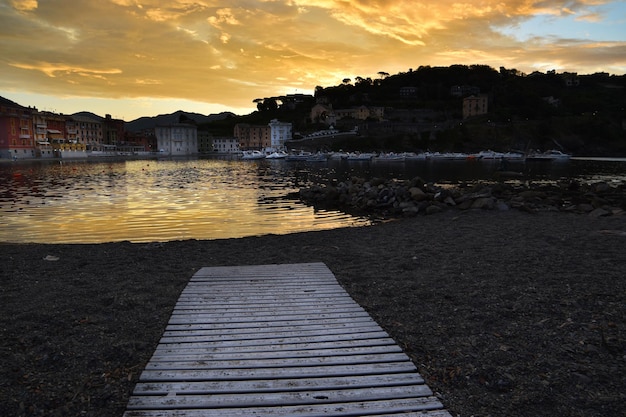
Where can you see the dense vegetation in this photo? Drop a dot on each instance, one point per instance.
(583, 114)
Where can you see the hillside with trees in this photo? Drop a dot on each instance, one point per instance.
(581, 114)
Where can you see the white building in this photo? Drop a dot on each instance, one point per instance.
(177, 139)
(226, 145)
(280, 132)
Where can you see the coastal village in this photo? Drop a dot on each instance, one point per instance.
(459, 111)
(27, 133)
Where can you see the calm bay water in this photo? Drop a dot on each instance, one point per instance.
(162, 200)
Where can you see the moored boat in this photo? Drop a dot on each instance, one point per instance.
(390, 157)
(298, 156)
(359, 156)
(551, 155)
(276, 155)
(252, 155)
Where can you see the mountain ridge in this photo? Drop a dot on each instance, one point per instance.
(150, 122)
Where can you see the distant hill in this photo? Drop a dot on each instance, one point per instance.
(88, 114)
(165, 119)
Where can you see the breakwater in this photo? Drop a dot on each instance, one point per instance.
(395, 198)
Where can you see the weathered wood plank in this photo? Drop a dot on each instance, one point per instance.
(401, 406)
(267, 373)
(254, 362)
(276, 340)
(185, 355)
(272, 399)
(243, 341)
(262, 346)
(276, 385)
(212, 319)
(186, 323)
(317, 334)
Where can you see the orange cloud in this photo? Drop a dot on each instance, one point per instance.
(235, 51)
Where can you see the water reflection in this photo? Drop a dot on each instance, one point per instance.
(141, 201)
(145, 201)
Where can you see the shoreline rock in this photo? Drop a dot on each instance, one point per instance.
(398, 198)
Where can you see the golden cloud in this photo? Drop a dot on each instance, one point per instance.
(239, 50)
(53, 70)
(24, 5)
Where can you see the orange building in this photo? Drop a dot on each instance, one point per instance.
(252, 137)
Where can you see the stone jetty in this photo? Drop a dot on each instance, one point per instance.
(393, 198)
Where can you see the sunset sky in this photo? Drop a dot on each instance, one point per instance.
(132, 58)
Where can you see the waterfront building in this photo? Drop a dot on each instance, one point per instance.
(225, 145)
(113, 131)
(280, 132)
(205, 141)
(252, 137)
(177, 139)
(43, 147)
(17, 140)
(89, 132)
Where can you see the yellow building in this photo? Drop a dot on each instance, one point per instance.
(475, 106)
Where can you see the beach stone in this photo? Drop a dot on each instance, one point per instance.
(417, 194)
(502, 206)
(599, 212)
(486, 203)
(464, 204)
(408, 209)
(531, 194)
(585, 207)
(600, 187)
(433, 209)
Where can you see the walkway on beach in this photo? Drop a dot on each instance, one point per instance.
(276, 340)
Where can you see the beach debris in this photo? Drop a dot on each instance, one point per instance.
(51, 258)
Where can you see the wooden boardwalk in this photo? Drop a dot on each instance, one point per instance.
(276, 340)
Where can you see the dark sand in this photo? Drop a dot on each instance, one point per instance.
(504, 313)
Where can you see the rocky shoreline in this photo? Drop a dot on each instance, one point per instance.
(393, 198)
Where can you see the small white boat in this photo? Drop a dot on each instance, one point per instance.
(488, 154)
(513, 156)
(338, 156)
(317, 157)
(551, 155)
(449, 156)
(298, 156)
(252, 155)
(277, 155)
(421, 156)
(390, 157)
(358, 156)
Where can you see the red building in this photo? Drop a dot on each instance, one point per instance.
(17, 139)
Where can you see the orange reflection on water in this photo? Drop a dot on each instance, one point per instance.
(143, 201)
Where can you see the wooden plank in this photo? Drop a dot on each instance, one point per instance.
(276, 385)
(253, 361)
(358, 409)
(267, 373)
(195, 323)
(185, 355)
(276, 340)
(261, 346)
(272, 399)
(316, 334)
(243, 341)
